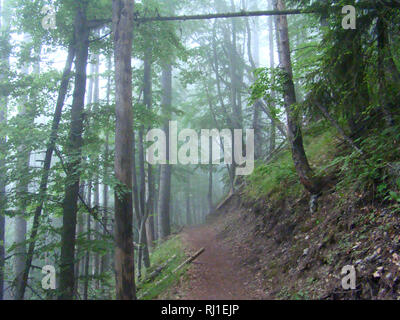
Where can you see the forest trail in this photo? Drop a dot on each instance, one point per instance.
(217, 274)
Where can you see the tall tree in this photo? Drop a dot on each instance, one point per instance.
(4, 69)
(124, 251)
(96, 101)
(86, 271)
(23, 160)
(294, 127)
(145, 205)
(105, 259)
(46, 167)
(272, 134)
(70, 207)
(164, 227)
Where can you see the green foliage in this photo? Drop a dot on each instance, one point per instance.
(162, 253)
(374, 172)
(271, 178)
(278, 179)
(269, 86)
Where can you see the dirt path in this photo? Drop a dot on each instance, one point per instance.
(217, 273)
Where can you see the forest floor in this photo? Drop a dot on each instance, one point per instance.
(217, 274)
(281, 251)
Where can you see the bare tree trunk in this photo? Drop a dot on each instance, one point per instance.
(294, 129)
(229, 118)
(20, 250)
(253, 48)
(225, 15)
(143, 208)
(86, 272)
(22, 190)
(105, 259)
(46, 166)
(164, 227)
(4, 68)
(150, 208)
(67, 280)
(96, 100)
(124, 251)
(80, 230)
(155, 205)
(272, 134)
(86, 282)
(143, 249)
(147, 93)
(135, 190)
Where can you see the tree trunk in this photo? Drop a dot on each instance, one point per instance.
(80, 231)
(210, 178)
(189, 218)
(143, 207)
(4, 69)
(96, 101)
(20, 250)
(124, 251)
(272, 133)
(135, 189)
(70, 208)
(387, 70)
(164, 228)
(105, 259)
(22, 192)
(46, 167)
(253, 48)
(147, 95)
(150, 208)
(155, 203)
(86, 282)
(294, 128)
(86, 272)
(23, 161)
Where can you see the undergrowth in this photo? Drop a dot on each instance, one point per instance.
(378, 171)
(375, 173)
(166, 279)
(278, 178)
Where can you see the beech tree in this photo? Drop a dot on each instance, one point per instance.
(67, 275)
(124, 254)
(294, 126)
(4, 69)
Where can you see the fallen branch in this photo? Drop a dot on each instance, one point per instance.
(225, 15)
(179, 230)
(191, 259)
(156, 272)
(230, 195)
(187, 261)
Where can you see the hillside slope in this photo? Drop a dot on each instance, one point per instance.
(298, 253)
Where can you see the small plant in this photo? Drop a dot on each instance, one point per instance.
(166, 278)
